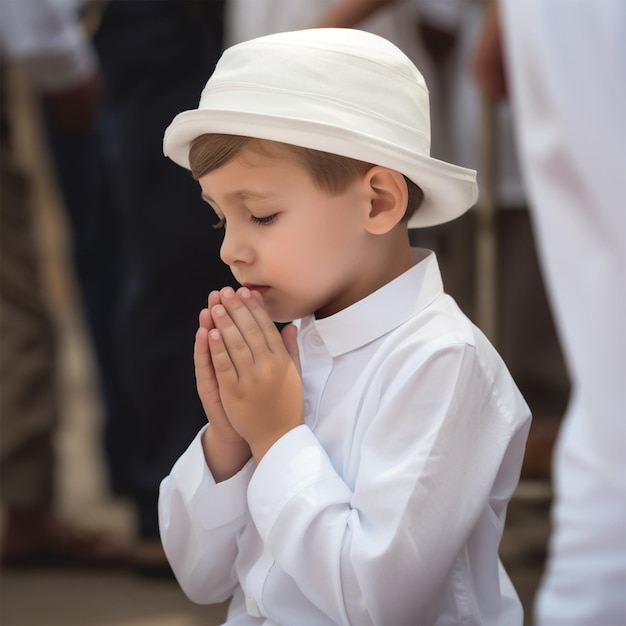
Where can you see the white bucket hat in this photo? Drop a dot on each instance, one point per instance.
(342, 91)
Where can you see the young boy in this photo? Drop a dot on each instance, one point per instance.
(359, 472)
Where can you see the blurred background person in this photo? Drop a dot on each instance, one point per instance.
(155, 56)
(142, 276)
(46, 37)
(565, 62)
(80, 165)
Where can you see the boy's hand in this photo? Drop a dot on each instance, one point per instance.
(225, 450)
(256, 369)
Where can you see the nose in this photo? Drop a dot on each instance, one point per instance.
(235, 250)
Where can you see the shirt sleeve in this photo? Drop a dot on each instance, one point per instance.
(377, 551)
(199, 520)
(47, 36)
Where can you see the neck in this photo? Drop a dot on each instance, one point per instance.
(390, 257)
(395, 255)
(382, 259)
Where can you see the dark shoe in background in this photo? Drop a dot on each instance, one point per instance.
(38, 538)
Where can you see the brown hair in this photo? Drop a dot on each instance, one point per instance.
(331, 172)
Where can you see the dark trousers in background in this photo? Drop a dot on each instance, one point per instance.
(156, 57)
(28, 398)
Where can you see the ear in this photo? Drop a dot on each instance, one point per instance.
(388, 199)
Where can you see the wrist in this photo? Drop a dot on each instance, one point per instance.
(261, 446)
(224, 456)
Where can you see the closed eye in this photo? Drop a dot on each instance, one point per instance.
(263, 221)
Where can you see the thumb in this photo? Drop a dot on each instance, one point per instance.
(289, 335)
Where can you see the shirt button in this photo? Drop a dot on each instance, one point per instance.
(252, 607)
(307, 407)
(316, 340)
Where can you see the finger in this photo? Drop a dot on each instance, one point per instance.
(214, 298)
(204, 319)
(223, 366)
(201, 356)
(206, 382)
(231, 337)
(205, 372)
(254, 303)
(243, 317)
(289, 335)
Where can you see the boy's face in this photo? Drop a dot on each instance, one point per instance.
(304, 250)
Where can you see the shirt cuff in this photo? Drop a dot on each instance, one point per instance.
(296, 462)
(213, 504)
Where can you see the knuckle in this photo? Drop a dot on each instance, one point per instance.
(222, 366)
(253, 330)
(238, 345)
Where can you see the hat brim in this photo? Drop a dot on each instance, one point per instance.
(449, 190)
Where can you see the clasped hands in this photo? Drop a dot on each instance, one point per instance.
(248, 379)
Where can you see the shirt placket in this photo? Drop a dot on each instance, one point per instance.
(319, 366)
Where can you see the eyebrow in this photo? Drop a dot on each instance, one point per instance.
(241, 194)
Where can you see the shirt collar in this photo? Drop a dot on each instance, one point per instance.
(382, 311)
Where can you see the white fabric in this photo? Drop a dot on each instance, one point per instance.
(388, 506)
(397, 22)
(568, 77)
(46, 35)
(247, 19)
(338, 90)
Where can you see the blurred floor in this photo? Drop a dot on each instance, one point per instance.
(53, 597)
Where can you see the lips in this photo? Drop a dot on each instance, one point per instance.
(260, 288)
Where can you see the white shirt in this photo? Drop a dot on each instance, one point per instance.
(388, 505)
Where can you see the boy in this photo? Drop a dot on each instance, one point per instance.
(357, 473)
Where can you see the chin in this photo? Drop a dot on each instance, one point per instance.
(281, 315)
(283, 309)
(282, 319)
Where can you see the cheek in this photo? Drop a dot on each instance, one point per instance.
(315, 245)
(298, 257)
(299, 267)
